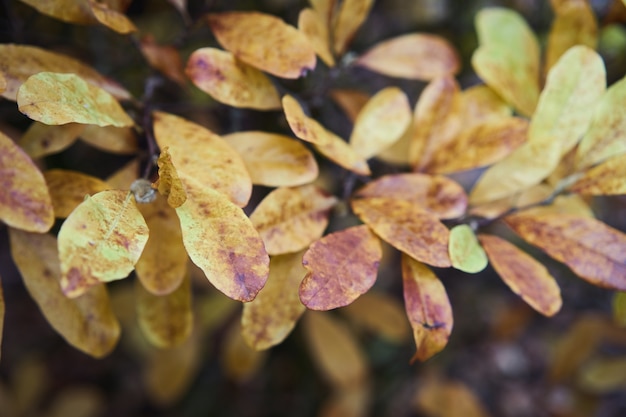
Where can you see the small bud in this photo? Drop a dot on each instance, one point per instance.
(143, 191)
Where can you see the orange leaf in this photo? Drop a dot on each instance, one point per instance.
(524, 275)
(315, 28)
(169, 184)
(341, 266)
(164, 58)
(41, 139)
(406, 227)
(24, 199)
(416, 56)
(265, 42)
(69, 188)
(290, 219)
(350, 17)
(593, 250)
(608, 178)
(427, 307)
(118, 140)
(111, 18)
(230, 81)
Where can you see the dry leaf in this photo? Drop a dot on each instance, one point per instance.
(239, 361)
(265, 42)
(427, 307)
(349, 18)
(77, 401)
(230, 81)
(437, 398)
(164, 58)
(3, 83)
(290, 219)
(466, 254)
(118, 140)
(56, 99)
(325, 8)
(69, 188)
(41, 140)
(111, 18)
(607, 178)
(271, 316)
(524, 275)
(416, 56)
(315, 28)
(169, 184)
(24, 199)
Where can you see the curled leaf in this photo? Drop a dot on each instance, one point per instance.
(41, 139)
(69, 188)
(239, 361)
(312, 24)
(466, 254)
(350, 17)
(448, 398)
(169, 184)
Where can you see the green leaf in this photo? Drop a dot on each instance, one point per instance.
(466, 254)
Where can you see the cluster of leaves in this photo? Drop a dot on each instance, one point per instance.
(549, 136)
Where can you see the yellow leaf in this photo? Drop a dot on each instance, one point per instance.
(274, 160)
(41, 140)
(202, 158)
(427, 307)
(349, 18)
(69, 188)
(3, 83)
(111, 18)
(239, 361)
(603, 375)
(480, 103)
(315, 28)
(118, 140)
(164, 58)
(607, 178)
(100, 241)
(324, 7)
(447, 398)
(508, 57)
(290, 219)
(265, 42)
(24, 199)
(78, 401)
(221, 240)
(86, 322)
(381, 122)
(72, 11)
(56, 99)
(123, 178)
(416, 56)
(271, 316)
(466, 254)
(524, 275)
(169, 184)
(341, 266)
(230, 81)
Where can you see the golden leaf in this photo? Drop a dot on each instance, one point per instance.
(265, 42)
(118, 140)
(169, 184)
(324, 7)
(480, 103)
(69, 188)
(230, 81)
(164, 58)
(41, 140)
(447, 398)
(349, 18)
(315, 28)
(72, 11)
(239, 361)
(111, 18)
(466, 254)
(607, 178)
(427, 307)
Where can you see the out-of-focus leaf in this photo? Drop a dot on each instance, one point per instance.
(480, 103)
(100, 241)
(381, 122)
(71, 11)
(290, 219)
(86, 322)
(341, 267)
(416, 56)
(83, 401)
(222, 241)
(427, 307)
(466, 254)
(349, 18)
(606, 135)
(435, 194)
(439, 398)
(619, 308)
(508, 57)
(563, 204)
(202, 158)
(166, 320)
(348, 402)
(69, 188)
(406, 227)
(164, 58)
(239, 361)
(274, 160)
(265, 42)
(326, 142)
(524, 275)
(124, 177)
(163, 262)
(111, 18)
(608, 178)
(3, 83)
(270, 317)
(350, 101)
(41, 140)
(335, 350)
(56, 99)
(118, 140)
(230, 81)
(325, 8)
(315, 28)
(593, 250)
(24, 199)
(169, 184)
(603, 375)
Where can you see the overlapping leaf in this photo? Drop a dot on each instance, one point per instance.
(239, 361)
(315, 28)
(169, 183)
(164, 58)
(607, 178)
(324, 7)
(41, 140)
(466, 254)
(111, 18)
(481, 103)
(349, 18)
(118, 140)
(69, 188)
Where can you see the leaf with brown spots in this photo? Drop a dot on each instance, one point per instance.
(427, 307)
(593, 250)
(407, 227)
(271, 316)
(416, 56)
(607, 178)
(123, 178)
(466, 254)
(341, 266)
(118, 140)
(169, 184)
(100, 241)
(69, 188)
(111, 18)
(524, 275)
(274, 160)
(315, 28)
(230, 81)
(164, 58)
(349, 18)
(290, 219)
(86, 322)
(3, 83)
(24, 198)
(202, 158)
(265, 42)
(41, 139)
(221, 240)
(435, 194)
(325, 8)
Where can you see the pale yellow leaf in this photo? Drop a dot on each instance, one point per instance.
(41, 139)
(480, 103)
(315, 28)
(325, 8)
(349, 18)
(72, 11)
(69, 188)
(118, 140)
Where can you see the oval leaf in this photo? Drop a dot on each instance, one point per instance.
(608, 178)
(41, 140)
(111, 18)
(69, 188)
(466, 254)
(349, 18)
(312, 24)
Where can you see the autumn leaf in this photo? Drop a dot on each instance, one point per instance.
(341, 266)
(42, 140)
(118, 140)
(86, 322)
(69, 188)
(607, 178)
(164, 58)
(239, 361)
(353, 401)
(427, 307)
(25, 202)
(349, 18)
(100, 241)
(111, 18)
(313, 26)
(56, 99)
(589, 247)
(169, 184)
(448, 398)
(230, 81)
(265, 42)
(350, 101)
(466, 254)
(524, 275)
(290, 219)
(618, 308)
(3, 83)
(481, 103)
(269, 318)
(416, 56)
